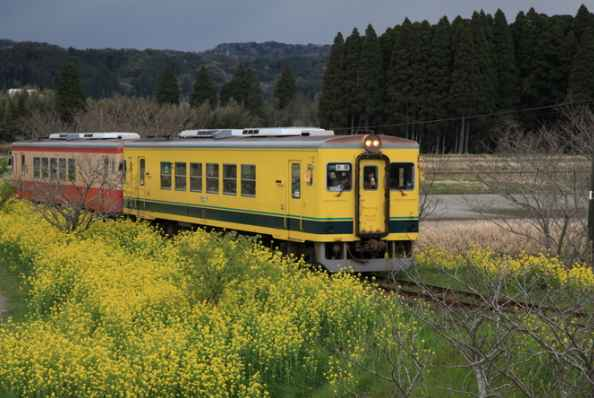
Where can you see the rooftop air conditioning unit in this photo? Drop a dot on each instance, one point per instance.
(95, 136)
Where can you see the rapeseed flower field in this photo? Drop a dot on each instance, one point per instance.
(118, 310)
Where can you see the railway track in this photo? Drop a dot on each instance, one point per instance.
(464, 298)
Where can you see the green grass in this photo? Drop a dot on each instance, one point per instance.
(12, 289)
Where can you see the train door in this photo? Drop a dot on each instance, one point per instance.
(371, 204)
(140, 179)
(295, 199)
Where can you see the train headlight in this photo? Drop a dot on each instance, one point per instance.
(372, 143)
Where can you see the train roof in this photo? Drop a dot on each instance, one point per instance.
(312, 142)
(56, 144)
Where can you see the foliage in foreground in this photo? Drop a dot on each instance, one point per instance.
(548, 272)
(118, 310)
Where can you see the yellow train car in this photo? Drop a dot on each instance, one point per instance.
(348, 202)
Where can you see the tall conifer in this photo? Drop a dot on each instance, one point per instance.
(354, 98)
(482, 32)
(581, 81)
(168, 89)
(372, 75)
(203, 90)
(438, 81)
(244, 88)
(69, 95)
(465, 89)
(583, 19)
(505, 62)
(285, 88)
(400, 76)
(331, 110)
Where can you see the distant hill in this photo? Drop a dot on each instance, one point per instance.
(106, 72)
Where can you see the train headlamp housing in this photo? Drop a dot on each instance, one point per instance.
(372, 143)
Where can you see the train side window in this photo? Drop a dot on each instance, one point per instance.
(370, 178)
(105, 166)
(36, 168)
(62, 169)
(44, 168)
(248, 180)
(23, 165)
(402, 176)
(165, 175)
(122, 168)
(53, 169)
(196, 177)
(339, 177)
(230, 179)
(141, 171)
(212, 178)
(180, 176)
(295, 180)
(71, 170)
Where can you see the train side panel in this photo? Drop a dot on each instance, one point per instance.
(69, 175)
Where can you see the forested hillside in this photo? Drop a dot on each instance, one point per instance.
(452, 85)
(108, 72)
(452, 74)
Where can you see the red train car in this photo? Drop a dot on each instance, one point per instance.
(84, 169)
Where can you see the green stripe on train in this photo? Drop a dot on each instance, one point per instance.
(269, 220)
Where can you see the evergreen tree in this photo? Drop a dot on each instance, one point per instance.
(482, 33)
(168, 89)
(438, 81)
(371, 78)
(399, 93)
(465, 89)
(331, 110)
(505, 62)
(245, 89)
(69, 97)
(583, 20)
(581, 82)
(524, 32)
(285, 88)
(203, 90)
(420, 60)
(353, 96)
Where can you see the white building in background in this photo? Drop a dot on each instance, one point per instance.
(16, 91)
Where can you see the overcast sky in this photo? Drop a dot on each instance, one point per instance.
(202, 24)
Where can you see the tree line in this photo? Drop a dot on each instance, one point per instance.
(437, 83)
(239, 103)
(129, 72)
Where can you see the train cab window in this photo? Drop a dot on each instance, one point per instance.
(248, 180)
(339, 177)
(295, 180)
(402, 176)
(165, 175)
(370, 178)
(180, 176)
(71, 170)
(196, 177)
(212, 178)
(53, 169)
(44, 168)
(36, 168)
(62, 169)
(229, 179)
(141, 171)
